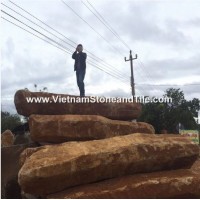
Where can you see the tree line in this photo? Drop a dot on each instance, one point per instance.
(167, 116)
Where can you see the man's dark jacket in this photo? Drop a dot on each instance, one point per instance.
(81, 57)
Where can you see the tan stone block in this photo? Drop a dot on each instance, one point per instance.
(181, 183)
(120, 111)
(63, 128)
(57, 167)
(7, 138)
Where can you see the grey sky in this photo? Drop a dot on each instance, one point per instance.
(164, 33)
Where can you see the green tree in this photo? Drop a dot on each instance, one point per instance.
(9, 121)
(168, 115)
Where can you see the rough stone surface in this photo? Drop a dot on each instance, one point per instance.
(9, 170)
(57, 167)
(7, 138)
(181, 183)
(196, 167)
(121, 111)
(63, 128)
(26, 153)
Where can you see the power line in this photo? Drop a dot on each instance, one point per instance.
(36, 24)
(40, 21)
(142, 74)
(90, 26)
(34, 35)
(146, 71)
(33, 29)
(91, 63)
(108, 65)
(167, 85)
(103, 21)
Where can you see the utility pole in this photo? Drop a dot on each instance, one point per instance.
(132, 76)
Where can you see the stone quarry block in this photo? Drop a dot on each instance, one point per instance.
(181, 183)
(57, 167)
(63, 128)
(57, 106)
(7, 138)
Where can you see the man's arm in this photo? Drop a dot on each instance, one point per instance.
(85, 56)
(74, 55)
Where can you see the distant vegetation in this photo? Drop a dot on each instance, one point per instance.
(9, 121)
(167, 116)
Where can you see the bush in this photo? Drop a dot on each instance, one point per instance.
(9, 121)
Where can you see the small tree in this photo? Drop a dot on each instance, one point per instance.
(9, 121)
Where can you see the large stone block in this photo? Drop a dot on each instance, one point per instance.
(7, 138)
(57, 167)
(63, 128)
(121, 111)
(181, 183)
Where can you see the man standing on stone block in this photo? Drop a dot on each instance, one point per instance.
(80, 68)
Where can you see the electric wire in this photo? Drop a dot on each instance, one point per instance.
(103, 21)
(32, 28)
(34, 34)
(91, 27)
(166, 85)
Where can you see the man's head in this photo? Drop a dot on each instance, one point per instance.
(80, 48)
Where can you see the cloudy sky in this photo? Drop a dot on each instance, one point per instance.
(164, 33)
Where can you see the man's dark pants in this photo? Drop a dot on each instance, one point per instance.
(80, 75)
